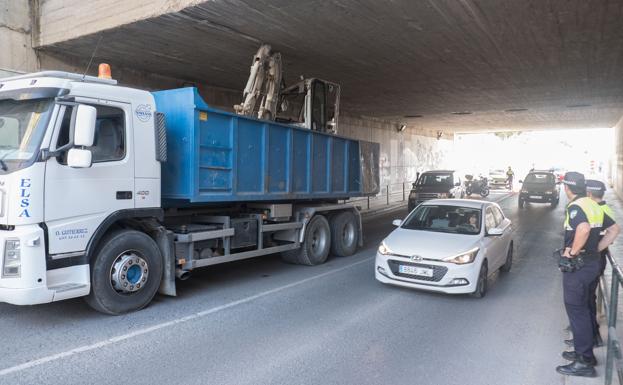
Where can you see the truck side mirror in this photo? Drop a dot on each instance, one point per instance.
(84, 128)
(78, 158)
(84, 136)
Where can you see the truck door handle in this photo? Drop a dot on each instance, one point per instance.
(124, 195)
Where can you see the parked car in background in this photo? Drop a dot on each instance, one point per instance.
(497, 178)
(447, 245)
(539, 187)
(435, 184)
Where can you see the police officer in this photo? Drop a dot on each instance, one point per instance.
(583, 224)
(595, 190)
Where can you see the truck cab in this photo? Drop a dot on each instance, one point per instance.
(68, 150)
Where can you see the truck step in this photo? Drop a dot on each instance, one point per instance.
(68, 287)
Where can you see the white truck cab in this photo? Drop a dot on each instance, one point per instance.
(68, 151)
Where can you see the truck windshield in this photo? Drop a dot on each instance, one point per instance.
(22, 125)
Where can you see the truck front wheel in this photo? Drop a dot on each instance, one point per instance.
(316, 245)
(125, 274)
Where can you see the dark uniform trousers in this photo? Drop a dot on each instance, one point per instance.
(578, 288)
(593, 297)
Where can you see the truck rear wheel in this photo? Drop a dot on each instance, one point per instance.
(125, 274)
(316, 245)
(344, 234)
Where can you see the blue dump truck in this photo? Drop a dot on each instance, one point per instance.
(111, 193)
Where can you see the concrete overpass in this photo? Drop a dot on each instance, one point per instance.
(439, 65)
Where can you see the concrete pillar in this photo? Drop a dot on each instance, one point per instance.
(16, 37)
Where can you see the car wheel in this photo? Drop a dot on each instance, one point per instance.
(506, 267)
(521, 203)
(481, 288)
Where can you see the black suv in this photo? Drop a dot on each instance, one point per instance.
(539, 187)
(434, 185)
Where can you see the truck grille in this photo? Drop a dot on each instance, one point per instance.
(438, 271)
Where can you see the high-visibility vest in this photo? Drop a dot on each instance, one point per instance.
(607, 210)
(592, 210)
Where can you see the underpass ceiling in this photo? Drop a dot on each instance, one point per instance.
(456, 65)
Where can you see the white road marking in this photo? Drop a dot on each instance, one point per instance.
(110, 341)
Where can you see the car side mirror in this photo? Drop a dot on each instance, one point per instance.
(397, 222)
(494, 232)
(84, 128)
(520, 181)
(78, 158)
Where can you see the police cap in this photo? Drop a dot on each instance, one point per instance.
(575, 181)
(595, 185)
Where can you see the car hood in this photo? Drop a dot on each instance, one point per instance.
(429, 244)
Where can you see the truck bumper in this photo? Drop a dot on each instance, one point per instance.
(28, 296)
(29, 286)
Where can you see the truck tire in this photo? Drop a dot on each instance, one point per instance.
(125, 273)
(316, 245)
(344, 234)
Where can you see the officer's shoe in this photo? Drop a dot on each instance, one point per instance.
(579, 367)
(572, 356)
(597, 341)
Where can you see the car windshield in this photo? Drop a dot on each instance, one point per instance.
(444, 219)
(22, 125)
(539, 179)
(435, 180)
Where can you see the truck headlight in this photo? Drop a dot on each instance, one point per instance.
(12, 264)
(463, 258)
(384, 250)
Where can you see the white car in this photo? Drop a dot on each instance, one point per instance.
(444, 245)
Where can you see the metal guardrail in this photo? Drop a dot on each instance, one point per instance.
(611, 307)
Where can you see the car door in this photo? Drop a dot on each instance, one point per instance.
(505, 239)
(492, 242)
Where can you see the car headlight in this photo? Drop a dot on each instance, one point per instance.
(549, 192)
(383, 249)
(524, 191)
(463, 258)
(12, 263)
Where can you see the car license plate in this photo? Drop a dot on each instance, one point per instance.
(535, 197)
(414, 270)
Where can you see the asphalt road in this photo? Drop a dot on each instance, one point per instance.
(265, 322)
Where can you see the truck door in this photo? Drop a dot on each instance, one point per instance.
(77, 200)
